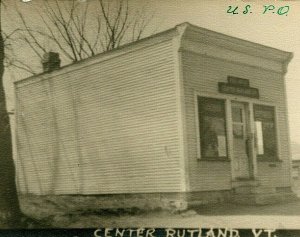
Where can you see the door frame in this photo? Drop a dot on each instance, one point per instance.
(248, 138)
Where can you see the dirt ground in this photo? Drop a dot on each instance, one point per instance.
(279, 216)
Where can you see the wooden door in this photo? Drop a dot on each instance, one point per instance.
(240, 120)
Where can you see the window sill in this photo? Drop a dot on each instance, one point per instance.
(268, 160)
(214, 159)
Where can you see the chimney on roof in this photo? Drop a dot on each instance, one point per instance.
(51, 61)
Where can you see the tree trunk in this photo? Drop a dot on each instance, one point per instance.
(10, 213)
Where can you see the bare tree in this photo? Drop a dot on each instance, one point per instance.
(80, 29)
(75, 31)
(10, 214)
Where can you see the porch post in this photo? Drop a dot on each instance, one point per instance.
(229, 136)
(252, 143)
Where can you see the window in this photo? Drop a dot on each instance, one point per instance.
(266, 142)
(295, 172)
(238, 122)
(213, 141)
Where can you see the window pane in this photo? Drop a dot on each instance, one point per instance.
(295, 173)
(212, 128)
(269, 138)
(262, 112)
(259, 138)
(212, 107)
(238, 131)
(237, 114)
(265, 131)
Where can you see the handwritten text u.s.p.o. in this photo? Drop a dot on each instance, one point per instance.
(268, 9)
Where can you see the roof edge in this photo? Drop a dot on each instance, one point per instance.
(180, 31)
(106, 55)
(242, 45)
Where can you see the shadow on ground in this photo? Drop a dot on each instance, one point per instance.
(229, 215)
(292, 208)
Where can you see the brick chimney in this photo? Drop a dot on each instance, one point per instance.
(51, 61)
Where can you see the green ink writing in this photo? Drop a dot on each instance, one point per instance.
(247, 9)
(280, 11)
(235, 10)
(232, 11)
(267, 9)
(283, 10)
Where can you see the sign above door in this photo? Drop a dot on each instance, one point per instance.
(238, 86)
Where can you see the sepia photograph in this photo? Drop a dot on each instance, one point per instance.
(174, 118)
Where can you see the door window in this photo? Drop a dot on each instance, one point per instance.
(238, 125)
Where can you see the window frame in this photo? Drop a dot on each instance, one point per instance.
(276, 157)
(229, 99)
(200, 155)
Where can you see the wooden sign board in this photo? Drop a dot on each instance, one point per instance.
(238, 81)
(227, 88)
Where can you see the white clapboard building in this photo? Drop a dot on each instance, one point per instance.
(187, 116)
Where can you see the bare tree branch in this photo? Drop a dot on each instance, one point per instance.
(20, 65)
(66, 25)
(36, 42)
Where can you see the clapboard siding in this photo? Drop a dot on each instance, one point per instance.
(201, 74)
(110, 127)
(38, 135)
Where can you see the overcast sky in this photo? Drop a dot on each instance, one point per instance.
(272, 29)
